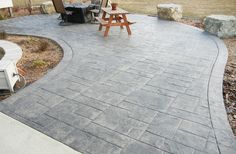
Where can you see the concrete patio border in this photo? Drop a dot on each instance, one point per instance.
(223, 132)
(224, 135)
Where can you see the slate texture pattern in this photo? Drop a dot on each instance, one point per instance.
(157, 91)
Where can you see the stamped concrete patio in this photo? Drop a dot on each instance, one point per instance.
(158, 91)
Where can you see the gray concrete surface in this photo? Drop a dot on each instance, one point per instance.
(17, 138)
(158, 91)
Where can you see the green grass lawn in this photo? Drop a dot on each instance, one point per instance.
(192, 8)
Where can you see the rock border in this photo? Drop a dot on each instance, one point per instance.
(169, 11)
(222, 26)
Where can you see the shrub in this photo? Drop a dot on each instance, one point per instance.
(43, 46)
(3, 35)
(38, 63)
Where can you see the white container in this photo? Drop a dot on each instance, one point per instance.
(8, 75)
(8, 70)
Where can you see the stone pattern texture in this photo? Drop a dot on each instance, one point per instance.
(47, 7)
(144, 94)
(169, 11)
(221, 25)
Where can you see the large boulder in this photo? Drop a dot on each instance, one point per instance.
(47, 7)
(169, 11)
(220, 25)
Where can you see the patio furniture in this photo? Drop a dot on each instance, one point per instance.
(7, 4)
(95, 12)
(80, 12)
(59, 7)
(118, 15)
(74, 13)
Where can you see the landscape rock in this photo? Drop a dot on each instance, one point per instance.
(220, 25)
(47, 7)
(170, 11)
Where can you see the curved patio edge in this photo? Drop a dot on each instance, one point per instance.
(223, 132)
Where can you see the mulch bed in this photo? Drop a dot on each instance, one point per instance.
(230, 83)
(40, 55)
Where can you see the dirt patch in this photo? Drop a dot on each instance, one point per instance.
(230, 83)
(193, 22)
(39, 56)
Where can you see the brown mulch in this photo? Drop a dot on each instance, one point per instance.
(193, 22)
(230, 83)
(39, 56)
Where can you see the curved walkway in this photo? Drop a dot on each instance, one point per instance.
(158, 91)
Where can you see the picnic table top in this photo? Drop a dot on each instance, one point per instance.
(108, 10)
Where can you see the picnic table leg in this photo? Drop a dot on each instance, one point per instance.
(118, 20)
(126, 24)
(108, 25)
(100, 27)
(103, 17)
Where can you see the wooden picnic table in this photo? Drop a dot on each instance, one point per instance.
(118, 15)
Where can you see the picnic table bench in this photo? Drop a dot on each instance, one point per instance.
(118, 15)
